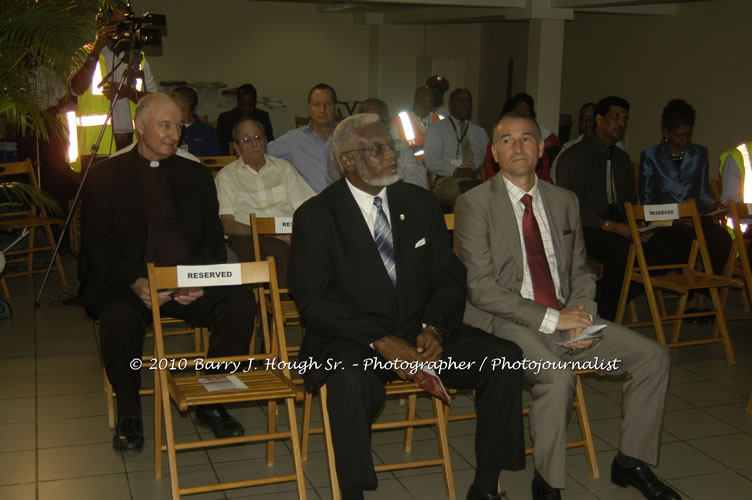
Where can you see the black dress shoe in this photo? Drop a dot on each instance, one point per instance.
(129, 434)
(642, 478)
(219, 421)
(705, 320)
(542, 490)
(502, 495)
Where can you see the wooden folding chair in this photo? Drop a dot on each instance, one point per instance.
(22, 216)
(215, 163)
(261, 386)
(270, 226)
(738, 263)
(680, 278)
(396, 388)
(586, 436)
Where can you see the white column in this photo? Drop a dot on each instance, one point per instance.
(544, 60)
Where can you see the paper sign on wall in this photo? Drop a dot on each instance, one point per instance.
(283, 225)
(668, 211)
(209, 275)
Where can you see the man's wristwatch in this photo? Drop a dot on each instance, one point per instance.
(439, 332)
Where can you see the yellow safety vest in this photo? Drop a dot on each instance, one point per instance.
(741, 155)
(85, 123)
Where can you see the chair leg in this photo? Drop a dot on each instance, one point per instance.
(746, 294)
(110, 396)
(412, 400)
(333, 480)
(170, 437)
(4, 284)
(720, 318)
(158, 427)
(306, 432)
(749, 403)
(680, 308)
(297, 461)
(197, 340)
(443, 442)
(633, 311)
(271, 424)
(655, 314)
(584, 421)
(724, 297)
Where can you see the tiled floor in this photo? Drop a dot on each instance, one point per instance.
(55, 443)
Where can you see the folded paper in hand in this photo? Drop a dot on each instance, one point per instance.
(432, 383)
(591, 332)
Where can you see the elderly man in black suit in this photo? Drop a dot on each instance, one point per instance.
(373, 274)
(150, 205)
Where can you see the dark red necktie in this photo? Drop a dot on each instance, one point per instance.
(540, 274)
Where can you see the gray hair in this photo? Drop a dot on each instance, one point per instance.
(519, 115)
(260, 125)
(345, 134)
(143, 108)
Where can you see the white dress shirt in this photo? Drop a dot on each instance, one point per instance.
(367, 208)
(442, 146)
(276, 190)
(551, 318)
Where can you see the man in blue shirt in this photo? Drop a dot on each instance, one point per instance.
(198, 136)
(307, 147)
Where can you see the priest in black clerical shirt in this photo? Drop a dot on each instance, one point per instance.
(150, 205)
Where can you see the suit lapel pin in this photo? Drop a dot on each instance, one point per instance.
(402, 216)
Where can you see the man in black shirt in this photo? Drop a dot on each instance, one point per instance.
(601, 175)
(246, 108)
(150, 205)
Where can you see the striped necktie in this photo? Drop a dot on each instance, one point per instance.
(382, 235)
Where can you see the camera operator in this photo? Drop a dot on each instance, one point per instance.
(93, 100)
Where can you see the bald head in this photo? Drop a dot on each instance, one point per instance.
(151, 102)
(423, 101)
(376, 106)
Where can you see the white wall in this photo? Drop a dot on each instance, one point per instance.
(283, 49)
(500, 42)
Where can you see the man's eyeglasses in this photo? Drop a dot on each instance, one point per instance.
(251, 138)
(379, 149)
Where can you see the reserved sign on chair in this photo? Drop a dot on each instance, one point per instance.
(209, 275)
(668, 211)
(283, 225)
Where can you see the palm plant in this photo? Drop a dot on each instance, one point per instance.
(40, 44)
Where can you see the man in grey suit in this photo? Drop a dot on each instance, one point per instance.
(528, 282)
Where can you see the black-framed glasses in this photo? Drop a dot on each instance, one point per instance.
(379, 149)
(251, 138)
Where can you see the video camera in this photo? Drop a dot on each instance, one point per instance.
(137, 32)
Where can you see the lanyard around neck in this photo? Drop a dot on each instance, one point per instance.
(459, 137)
